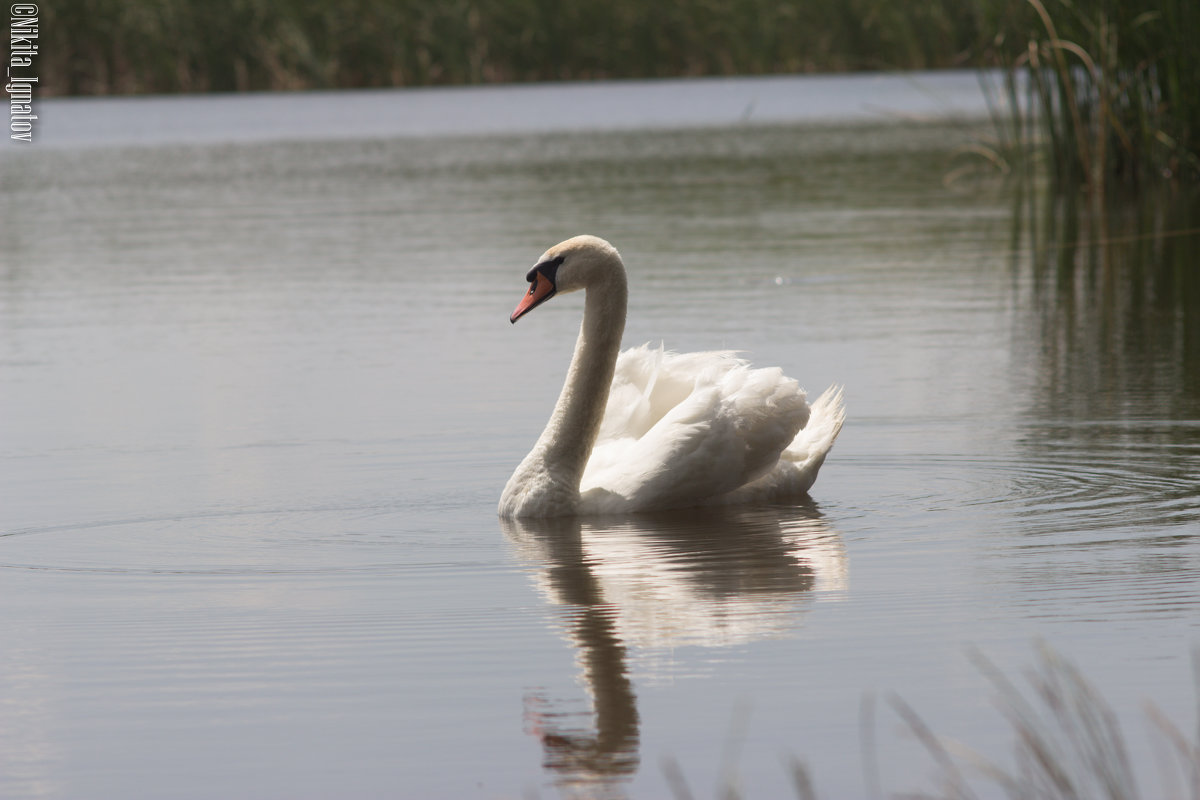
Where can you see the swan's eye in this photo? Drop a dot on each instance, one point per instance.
(545, 271)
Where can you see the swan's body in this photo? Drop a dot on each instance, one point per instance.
(648, 429)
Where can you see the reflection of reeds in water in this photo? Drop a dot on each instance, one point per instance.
(1106, 343)
(1113, 303)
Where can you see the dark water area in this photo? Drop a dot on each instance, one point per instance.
(1114, 342)
(259, 395)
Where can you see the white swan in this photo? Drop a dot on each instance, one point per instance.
(647, 429)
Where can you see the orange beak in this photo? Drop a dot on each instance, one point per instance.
(541, 289)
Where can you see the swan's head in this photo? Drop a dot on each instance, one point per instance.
(567, 267)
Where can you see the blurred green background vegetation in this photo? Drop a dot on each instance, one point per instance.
(139, 46)
(1115, 87)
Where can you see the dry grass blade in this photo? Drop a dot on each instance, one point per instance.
(1186, 754)
(1089, 726)
(675, 780)
(956, 784)
(1064, 76)
(1039, 759)
(1069, 744)
(801, 782)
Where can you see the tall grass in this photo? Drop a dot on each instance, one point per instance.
(1067, 742)
(1109, 90)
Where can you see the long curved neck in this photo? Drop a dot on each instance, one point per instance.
(567, 441)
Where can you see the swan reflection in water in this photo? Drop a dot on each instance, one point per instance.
(654, 582)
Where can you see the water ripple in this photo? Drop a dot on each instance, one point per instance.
(299, 541)
(1059, 488)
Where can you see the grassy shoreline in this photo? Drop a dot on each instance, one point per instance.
(161, 46)
(1112, 90)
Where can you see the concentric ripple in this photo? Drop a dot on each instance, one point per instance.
(248, 542)
(1047, 488)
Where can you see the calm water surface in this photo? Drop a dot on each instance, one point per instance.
(258, 400)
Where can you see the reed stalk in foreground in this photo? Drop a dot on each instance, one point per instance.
(1067, 744)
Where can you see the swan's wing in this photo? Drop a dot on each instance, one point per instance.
(823, 426)
(796, 470)
(649, 382)
(685, 428)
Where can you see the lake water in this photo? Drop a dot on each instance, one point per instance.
(259, 395)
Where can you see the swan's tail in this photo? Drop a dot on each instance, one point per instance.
(815, 440)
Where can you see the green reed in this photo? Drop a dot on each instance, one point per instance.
(1107, 90)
